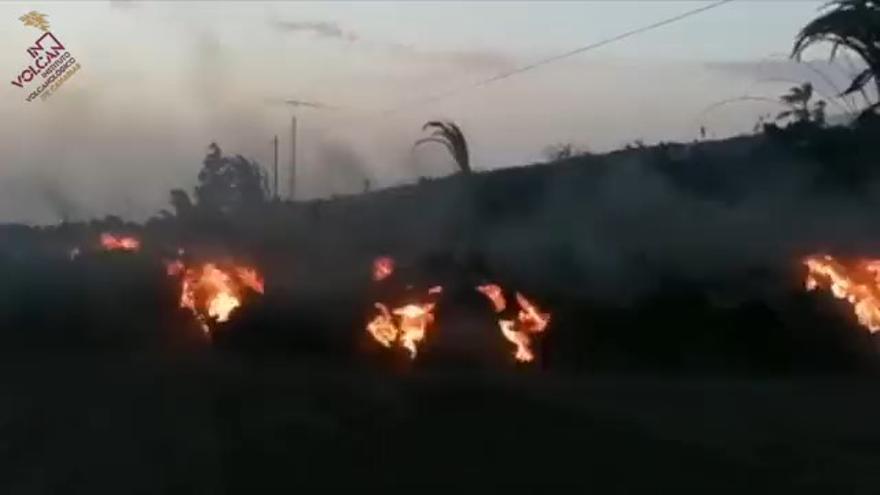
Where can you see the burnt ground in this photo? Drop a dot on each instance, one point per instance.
(212, 422)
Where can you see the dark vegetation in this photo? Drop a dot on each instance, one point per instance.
(316, 256)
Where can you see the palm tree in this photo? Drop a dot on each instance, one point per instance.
(854, 25)
(798, 100)
(449, 135)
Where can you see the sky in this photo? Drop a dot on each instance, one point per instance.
(161, 80)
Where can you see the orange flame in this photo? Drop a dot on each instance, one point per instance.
(414, 321)
(495, 295)
(382, 327)
(383, 267)
(406, 325)
(212, 293)
(529, 320)
(530, 317)
(111, 242)
(858, 284)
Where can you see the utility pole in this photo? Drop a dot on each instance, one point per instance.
(292, 178)
(275, 169)
(291, 185)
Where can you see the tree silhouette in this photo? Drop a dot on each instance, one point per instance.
(449, 135)
(229, 183)
(798, 100)
(854, 25)
(181, 203)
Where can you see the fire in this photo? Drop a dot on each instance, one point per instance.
(174, 268)
(383, 267)
(858, 283)
(414, 321)
(529, 320)
(495, 295)
(211, 292)
(382, 327)
(405, 326)
(111, 242)
(530, 317)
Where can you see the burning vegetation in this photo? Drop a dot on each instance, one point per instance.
(110, 242)
(405, 326)
(383, 267)
(212, 292)
(518, 330)
(857, 282)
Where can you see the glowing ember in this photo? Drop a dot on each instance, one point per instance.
(495, 295)
(174, 268)
(383, 267)
(212, 293)
(858, 283)
(405, 326)
(437, 289)
(111, 242)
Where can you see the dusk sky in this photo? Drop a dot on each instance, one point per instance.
(159, 81)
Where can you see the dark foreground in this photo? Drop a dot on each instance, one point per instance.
(223, 424)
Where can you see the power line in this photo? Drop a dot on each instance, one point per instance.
(576, 51)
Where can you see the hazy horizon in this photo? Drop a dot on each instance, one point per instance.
(160, 81)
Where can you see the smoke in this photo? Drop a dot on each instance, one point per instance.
(612, 229)
(321, 29)
(460, 60)
(52, 199)
(336, 169)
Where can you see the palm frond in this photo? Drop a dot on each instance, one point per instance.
(435, 140)
(451, 136)
(859, 82)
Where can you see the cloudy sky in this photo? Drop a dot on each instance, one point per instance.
(161, 80)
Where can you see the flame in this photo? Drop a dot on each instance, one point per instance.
(858, 284)
(111, 242)
(530, 317)
(382, 327)
(521, 340)
(414, 321)
(405, 325)
(383, 267)
(212, 293)
(529, 320)
(495, 295)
